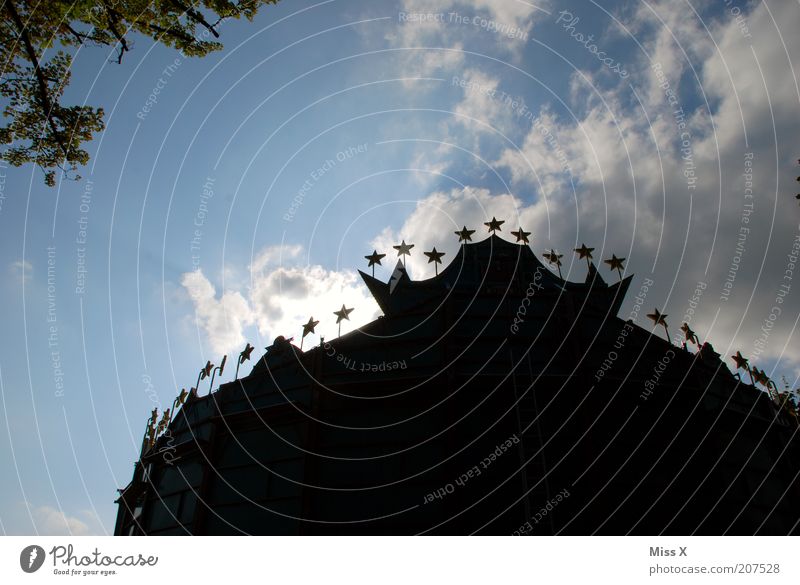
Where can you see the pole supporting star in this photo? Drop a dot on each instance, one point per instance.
(341, 315)
(494, 225)
(522, 236)
(464, 235)
(435, 257)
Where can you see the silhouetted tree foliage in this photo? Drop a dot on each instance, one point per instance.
(36, 41)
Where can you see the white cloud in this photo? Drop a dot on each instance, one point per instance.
(281, 297)
(611, 171)
(285, 297)
(223, 319)
(481, 102)
(632, 189)
(480, 26)
(50, 522)
(22, 270)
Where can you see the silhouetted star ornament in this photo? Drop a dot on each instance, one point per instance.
(341, 315)
(494, 225)
(180, 398)
(758, 375)
(205, 372)
(554, 258)
(690, 335)
(742, 363)
(659, 318)
(308, 328)
(374, 259)
(522, 236)
(615, 263)
(403, 249)
(435, 257)
(464, 235)
(243, 357)
(764, 378)
(584, 252)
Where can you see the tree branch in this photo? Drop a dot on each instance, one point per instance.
(44, 94)
(196, 16)
(113, 24)
(172, 33)
(81, 37)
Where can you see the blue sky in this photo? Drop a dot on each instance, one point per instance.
(324, 130)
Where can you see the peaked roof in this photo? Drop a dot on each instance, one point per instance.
(492, 263)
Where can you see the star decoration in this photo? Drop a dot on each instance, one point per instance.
(162, 424)
(522, 236)
(206, 371)
(434, 256)
(658, 318)
(615, 263)
(584, 252)
(690, 335)
(343, 313)
(464, 235)
(553, 257)
(494, 225)
(742, 363)
(375, 258)
(309, 327)
(245, 355)
(403, 249)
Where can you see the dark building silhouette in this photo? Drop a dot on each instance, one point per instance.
(494, 398)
